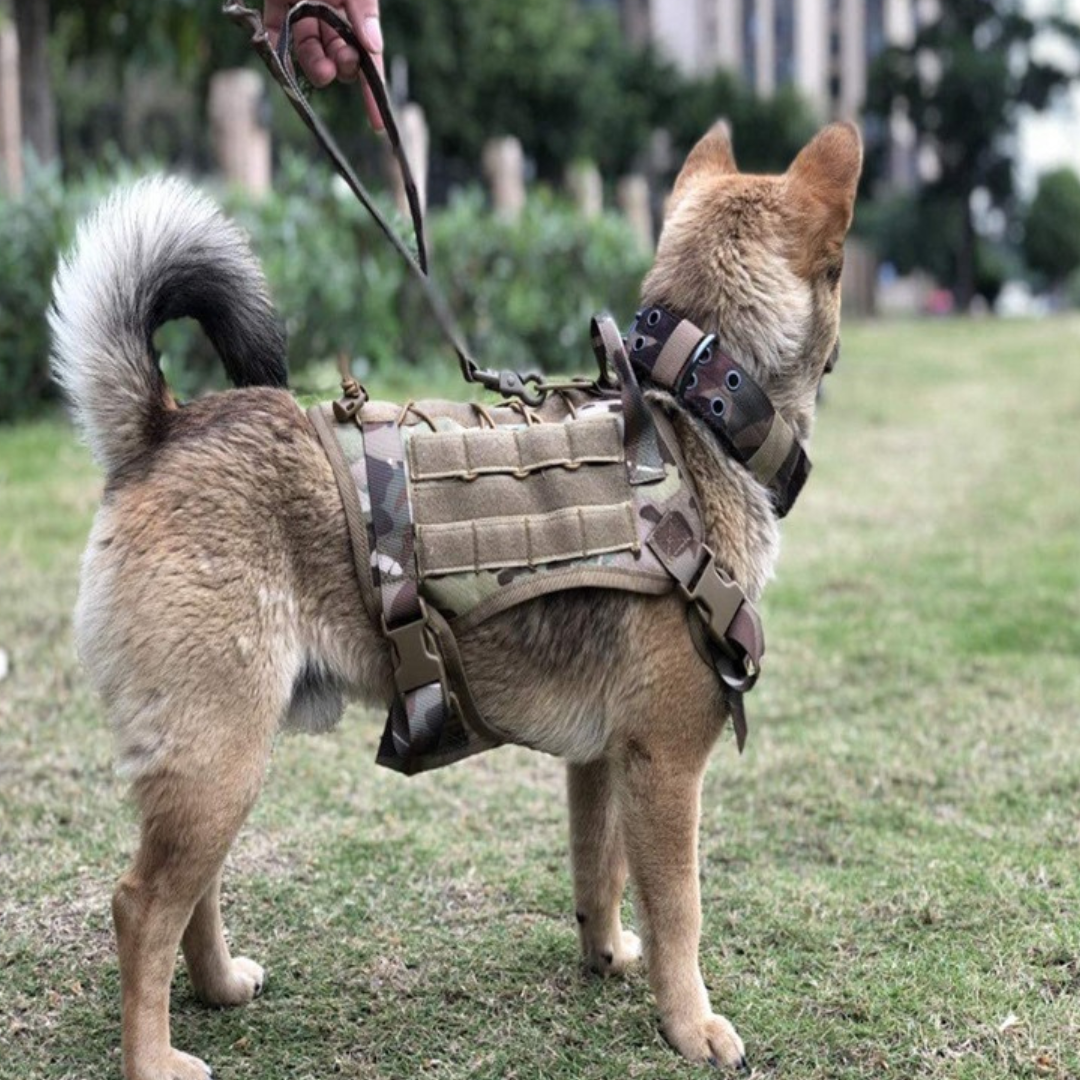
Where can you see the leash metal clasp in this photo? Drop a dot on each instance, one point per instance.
(513, 384)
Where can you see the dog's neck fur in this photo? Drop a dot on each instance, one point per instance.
(755, 260)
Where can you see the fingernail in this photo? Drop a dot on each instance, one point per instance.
(373, 34)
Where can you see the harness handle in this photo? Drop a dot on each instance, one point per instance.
(529, 387)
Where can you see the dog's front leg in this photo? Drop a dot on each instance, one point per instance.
(598, 858)
(659, 788)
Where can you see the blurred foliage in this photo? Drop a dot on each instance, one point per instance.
(523, 291)
(526, 290)
(914, 233)
(962, 82)
(768, 132)
(33, 229)
(1052, 226)
(131, 78)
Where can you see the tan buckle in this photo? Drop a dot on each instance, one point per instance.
(417, 659)
(715, 595)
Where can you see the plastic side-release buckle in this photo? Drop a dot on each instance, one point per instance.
(417, 658)
(715, 595)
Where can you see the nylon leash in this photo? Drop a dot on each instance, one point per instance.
(530, 387)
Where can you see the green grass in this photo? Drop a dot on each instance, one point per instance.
(891, 872)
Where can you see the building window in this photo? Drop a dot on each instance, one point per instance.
(785, 41)
(750, 36)
(875, 27)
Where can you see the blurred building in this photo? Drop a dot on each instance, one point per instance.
(824, 48)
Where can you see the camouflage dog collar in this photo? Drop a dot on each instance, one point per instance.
(674, 353)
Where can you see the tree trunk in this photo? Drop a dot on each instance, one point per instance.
(965, 260)
(35, 86)
(10, 113)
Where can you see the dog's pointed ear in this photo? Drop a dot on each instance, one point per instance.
(712, 155)
(823, 180)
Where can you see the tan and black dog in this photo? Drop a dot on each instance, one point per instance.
(216, 607)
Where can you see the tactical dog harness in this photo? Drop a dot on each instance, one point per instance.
(457, 513)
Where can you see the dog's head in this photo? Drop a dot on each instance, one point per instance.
(757, 260)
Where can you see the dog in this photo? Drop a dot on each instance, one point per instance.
(213, 609)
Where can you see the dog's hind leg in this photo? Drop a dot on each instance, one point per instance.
(192, 808)
(217, 977)
(598, 859)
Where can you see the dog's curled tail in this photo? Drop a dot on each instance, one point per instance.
(156, 251)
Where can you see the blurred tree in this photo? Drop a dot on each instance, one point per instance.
(767, 132)
(35, 86)
(556, 75)
(561, 77)
(1052, 226)
(962, 82)
(131, 77)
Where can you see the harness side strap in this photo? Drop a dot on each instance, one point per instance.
(421, 707)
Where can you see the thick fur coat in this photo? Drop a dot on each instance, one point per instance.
(212, 610)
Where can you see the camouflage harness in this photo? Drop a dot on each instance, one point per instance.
(457, 513)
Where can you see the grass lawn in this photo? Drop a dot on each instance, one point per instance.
(891, 872)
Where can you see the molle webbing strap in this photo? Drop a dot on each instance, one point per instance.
(420, 715)
(502, 543)
(467, 453)
(676, 354)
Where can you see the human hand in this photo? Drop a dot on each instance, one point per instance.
(323, 55)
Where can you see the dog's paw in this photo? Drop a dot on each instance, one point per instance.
(709, 1041)
(243, 982)
(609, 958)
(175, 1065)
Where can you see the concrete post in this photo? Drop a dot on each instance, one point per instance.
(241, 139)
(765, 48)
(852, 58)
(812, 53)
(632, 195)
(729, 34)
(11, 172)
(415, 141)
(586, 188)
(504, 167)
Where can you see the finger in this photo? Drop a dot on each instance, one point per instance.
(311, 52)
(364, 15)
(273, 18)
(372, 110)
(343, 56)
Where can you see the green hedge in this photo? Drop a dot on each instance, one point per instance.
(523, 292)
